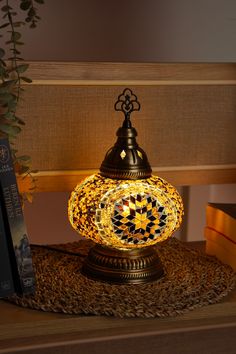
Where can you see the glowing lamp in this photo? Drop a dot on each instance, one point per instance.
(125, 210)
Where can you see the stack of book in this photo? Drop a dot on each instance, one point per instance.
(16, 268)
(220, 232)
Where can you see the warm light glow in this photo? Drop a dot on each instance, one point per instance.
(125, 214)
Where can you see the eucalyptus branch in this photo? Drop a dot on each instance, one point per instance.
(14, 36)
(12, 72)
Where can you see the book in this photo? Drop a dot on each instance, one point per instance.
(14, 225)
(220, 246)
(221, 217)
(223, 240)
(213, 249)
(6, 280)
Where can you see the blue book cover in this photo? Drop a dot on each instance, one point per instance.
(6, 280)
(15, 228)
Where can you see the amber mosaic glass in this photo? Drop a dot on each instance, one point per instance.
(125, 214)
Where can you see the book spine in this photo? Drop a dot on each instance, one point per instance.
(6, 280)
(19, 249)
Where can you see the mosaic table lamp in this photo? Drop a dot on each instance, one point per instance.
(125, 210)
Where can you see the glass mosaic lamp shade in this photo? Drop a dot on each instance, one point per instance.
(125, 210)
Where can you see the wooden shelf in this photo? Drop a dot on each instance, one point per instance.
(60, 181)
(210, 329)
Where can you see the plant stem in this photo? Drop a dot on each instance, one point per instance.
(14, 60)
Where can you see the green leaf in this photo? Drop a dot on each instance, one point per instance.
(23, 169)
(12, 130)
(22, 68)
(12, 142)
(26, 79)
(2, 53)
(6, 8)
(8, 83)
(15, 36)
(12, 105)
(20, 121)
(25, 5)
(8, 116)
(14, 151)
(2, 71)
(29, 197)
(3, 62)
(24, 158)
(15, 51)
(31, 12)
(6, 97)
(24, 161)
(18, 24)
(33, 25)
(32, 188)
(4, 25)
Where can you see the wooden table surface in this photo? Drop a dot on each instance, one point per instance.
(210, 329)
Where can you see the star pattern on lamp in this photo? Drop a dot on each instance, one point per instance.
(138, 218)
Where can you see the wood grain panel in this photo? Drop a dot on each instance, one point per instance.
(61, 181)
(74, 71)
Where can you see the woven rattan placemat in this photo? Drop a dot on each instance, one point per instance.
(191, 280)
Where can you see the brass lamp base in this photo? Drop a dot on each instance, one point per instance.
(122, 267)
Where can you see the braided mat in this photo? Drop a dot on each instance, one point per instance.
(191, 280)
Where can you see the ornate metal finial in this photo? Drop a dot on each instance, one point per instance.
(126, 159)
(127, 103)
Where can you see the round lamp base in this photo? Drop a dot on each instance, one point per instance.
(122, 267)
